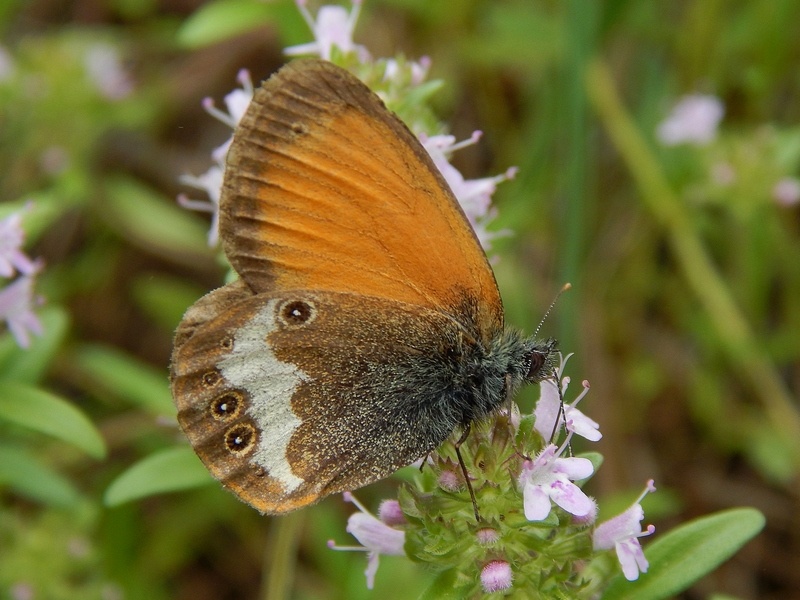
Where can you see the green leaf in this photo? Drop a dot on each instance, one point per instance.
(443, 587)
(125, 377)
(154, 222)
(687, 553)
(597, 461)
(27, 476)
(165, 298)
(36, 409)
(166, 471)
(216, 21)
(28, 365)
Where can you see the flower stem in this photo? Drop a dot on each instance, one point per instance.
(734, 332)
(280, 556)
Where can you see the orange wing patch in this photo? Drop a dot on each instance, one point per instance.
(325, 189)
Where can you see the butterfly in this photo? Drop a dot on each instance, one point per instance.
(365, 326)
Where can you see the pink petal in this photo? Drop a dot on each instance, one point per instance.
(574, 468)
(547, 410)
(536, 503)
(571, 498)
(375, 535)
(372, 569)
(631, 558)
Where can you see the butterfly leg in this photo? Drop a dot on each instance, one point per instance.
(457, 445)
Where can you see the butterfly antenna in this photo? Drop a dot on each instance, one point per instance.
(562, 415)
(563, 289)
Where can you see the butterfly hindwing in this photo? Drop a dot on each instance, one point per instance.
(291, 396)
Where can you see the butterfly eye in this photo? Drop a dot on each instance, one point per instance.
(226, 407)
(240, 439)
(538, 361)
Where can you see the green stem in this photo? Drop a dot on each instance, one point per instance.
(280, 556)
(731, 327)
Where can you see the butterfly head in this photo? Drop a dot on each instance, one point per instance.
(542, 360)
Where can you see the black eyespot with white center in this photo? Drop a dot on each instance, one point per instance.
(297, 312)
(240, 439)
(226, 408)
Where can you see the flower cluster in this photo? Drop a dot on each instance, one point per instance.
(537, 530)
(731, 170)
(17, 298)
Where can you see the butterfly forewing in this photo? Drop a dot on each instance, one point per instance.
(325, 189)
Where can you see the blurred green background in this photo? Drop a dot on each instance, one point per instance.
(684, 316)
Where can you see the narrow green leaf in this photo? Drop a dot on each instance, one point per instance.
(687, 553)
(165, 298)
(154, 222)
(23, 473)
(166, 471)
(125, 377)
(216, 21)
(45, 412)
(29, 365)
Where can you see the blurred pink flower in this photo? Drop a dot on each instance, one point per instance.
(12, 236)
(787, 191)
(210, 182)
(474, 195)
(693, 120)
(6, 65)
(16, 309)
(417, 71)
(104, 67)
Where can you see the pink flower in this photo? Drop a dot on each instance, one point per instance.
(16, 308)
(375, 536)
(622, 533)
(787, 191)
(487, 536)
(474, 195)
(390, 513)
(410, 72)
(333, 27)
(12, 236)
(496, 576)
(103, 64)
(236, 102)
(693, 120)
(549, 477)
(210, 182)
(6, 65)
(549, 418)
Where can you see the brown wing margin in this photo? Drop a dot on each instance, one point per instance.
(326, 189)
